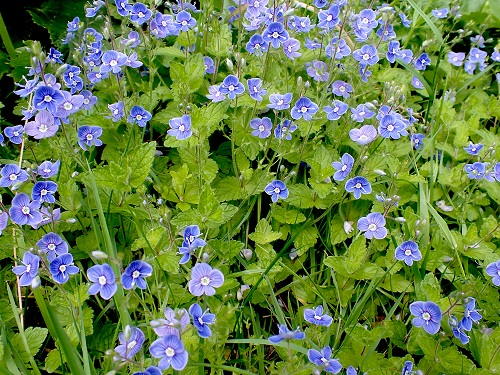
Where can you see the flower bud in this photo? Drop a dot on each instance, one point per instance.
(230, 65)
(348, 226)
(246, 253)
(205, 257)
(239, 293)
(35, 283)
(98, 254)
(293, 254)
(127, 333)
(379, 172)
(71, 220)
(74, 174)
(400, 219)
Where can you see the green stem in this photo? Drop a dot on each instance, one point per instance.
(6, 40)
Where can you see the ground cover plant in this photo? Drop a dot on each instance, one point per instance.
(253, 187)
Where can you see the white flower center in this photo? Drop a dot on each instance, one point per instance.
(43, 192)
(344, 167)
(303, 109)
(390, 128)
(138, 117)
(366, 56)
(47, 98)
(67, 106)
(277, 190)
(329, 18)
(141, 15)
(256, 4)
(51, 246)
(200, 320)
(113, 63)
(231, 88)
(89, 137)
(13, 177)
(86, 101)
(317, 317)
(407, 252)
(131, 344)
(25, 210)
(181, 128)
(426, 316)
(184, 23)
(372, 227)
(43, 128)
(170, 352)
(102, 280)
(205, 281)
(261, 128)
(324, 360)
(341, 88)
(62, 268)
(16, 134)
(257, 45)
(28, 268)
(275, 35)
(357, 186)
(280, 102)
(284, 129)
(135, 274)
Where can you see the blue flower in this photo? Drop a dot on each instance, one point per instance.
(262, 127)
(139, 13)
(255, 8)
(280, 102)
(89, 136)
(135, 273)
(29, 270)
(386, 31)
(329, 18)
(336, 110)
(404, 20)
(391, 127)
(493, 270)
(151, 370)
(139, 115)
(204, 280)
(373, 225)
(318, 70)
(201, 320)
(43, 191)
(52, 244)
(277, 189)
(184, 21)
(361, 112)
(343, 167)
(456, 59)
(473, 149)
(458, 332)
(209, 65)
(131, 340)
(285, 130)
(409, 252)
(103, 279)
(73, 25)
(12, 174)
(351, 371)
(427, 315)
(324, 360)
(47, 98)
(317, 317)
(231, 86)
(48, 169)
(363, 135)
(112, 61)
(415, 82)
(133, 62)
(286, 334)
(171, 351)
(116, 110)
(290, 48)
(191, 234)
(22, 211)
(477, 171)
(132, 40)
(61, 267)
(440, 13)
(54, 56)
(422, 62)
(214, 94)
(416, 140)
(14, 133)
(275, 34)
(257, 45)
(367, 54)
(181, 127)
(27, 88)
(470, 315)
(406, 55)
(341, 88)
(69, 105)
(358, 185)
(175, 322)
(123, 7)
(304, 108)
(255, 89)
(337, 49)
(407, 368)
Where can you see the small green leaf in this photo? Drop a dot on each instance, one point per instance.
(263, 233)
(35, 336)
(356, 254)
(139, 161)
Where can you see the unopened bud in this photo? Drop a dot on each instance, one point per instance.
(239, 293)
(379, 172)
(246, 253)
(35, 283)
(230, 65)
(400, 219)
(127, 333)
(348, 226)
(98, 254)
(74, 174)
(71, 220)
(205, 257)
(293, 254)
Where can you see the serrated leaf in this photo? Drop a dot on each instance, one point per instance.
(337, 232)
(226, 249)
(228, 189)
(35, 336)
(112, 176)
(306, 239)
(170, 52)
(52, 361)
(220, 42)
(169, 261)
(428, 289)
(300, 196)
(397, 283)
(157, 238)
(139, 161)
(263, 233)
(356, 254)
(287, 216)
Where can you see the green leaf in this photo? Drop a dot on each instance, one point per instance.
(52, 361)
(169, 261)
(429, 22)
(226, 249)
(187, 77)
(337, 232)
(428, 289)
(35, 336)
(170, 52)
(356, 254)
(300, 196)
(158, 238)
(287, 216)
(112, 176)
(263, 233)
(396, 283)
(139, 161)
(220, 42)
(228, 189)
(306, 239)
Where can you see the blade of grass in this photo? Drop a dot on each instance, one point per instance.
(429, 22)
(417, 74)
(21, 333)
(7, 355)
(476, 77)
(232, 370)
(282, 344)
(58, 333)
(6, 40)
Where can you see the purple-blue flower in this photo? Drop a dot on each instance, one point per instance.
(47, 98)
(103, 279)
(255, 89)
(318, 70)
(373, 226)
(470, 315)
(458, 330)
(324, 360)
(364, 135)
(204, 280)
(112, 61)
(477, 171)
(473, 149)
(456, 59)
(440, 13)
(304, 108)
(257, 45)
(69, 105)
(52, 244)
(215, 95)
(44, 126)
(184, 21)
(23, 211)
(151, 370)
(14, 133)
(343, 168)
(329, 18)
(422, 62)
(29, 269)
(62, 267)
(209, 65)
(316, 316)
(132, 40)
(409, 252)
(407, 368)
(367, 54)
(493, 270)
(427, 315)
(44, 191)
(277, 189)
(181, 127)
(341, 88)
(336, 110)
(262, 127)
(139, 13)
(201, 320)
(135, 273)
(48, 169)
(4, 220)
(361, 112)
(286, 334)
(12, 174)
(285, 130)
(415, 82)
(337, 49)
(406, 55)
(123, 7)
(358, 185)
(171, 351)
(175, 322)
(27, 88)
(255, 8)
(280, 102)
(275, 34)
(139, 115)
(88, 136)
(231, 86)
(416, 140)
(290, 48)
(391, 127)
(131, 340)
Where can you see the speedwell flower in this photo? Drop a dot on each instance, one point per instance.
(171, 351)
(286, 334)
(204, 280)
(324, 360)
(427, 315)
(201, 320)
(277, 189)
(181, 127)
(103, 279)
(135, 273)
(29, 269)
(131, 340)
(61, 267)
(409, 252)
(373, 225)
(358, 185)
(316, 316)
(88, 136)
